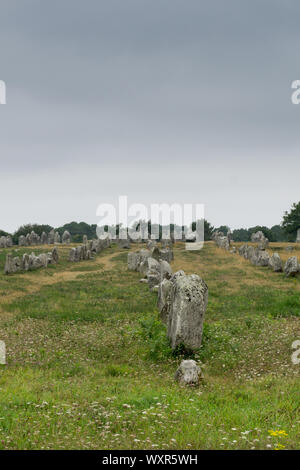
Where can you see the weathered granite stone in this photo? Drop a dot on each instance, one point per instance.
(166, 255)
(188, 373)
(275, 263)
(298, 236)
(72, 255)
(9, 242)
(66, 238)
(56, 237)
(262, 258)
(291, 267)
(55, 256)
(124, 243)
(51, 237)
(84, 239)
(188, 301)
(165, 270)
(12, 264)
(22, 240)
(44, 238)
(164, 300)
(25, 262)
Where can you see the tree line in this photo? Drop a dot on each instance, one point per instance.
(285, 232)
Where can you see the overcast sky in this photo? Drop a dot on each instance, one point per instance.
(183, 101)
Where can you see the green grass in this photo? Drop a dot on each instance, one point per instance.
(89, 365)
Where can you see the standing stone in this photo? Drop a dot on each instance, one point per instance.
(275, 263)
(72, 255)
(12, 265)
(85, 239)
(2, 242)
(22, 240)
(164, 299)
(43, 258)
(189, 295)
(25, 262)
(34, 239)
(9, 242)
(56, 237)
(165, 270)
(153, 272)
(28, 239)
(133, 260)
(291, 267)
(2, 353)
(257, 236)
(298, 236)
(262, 258)
(188, 373)
(54, 255)
(44, 238)
(51, 237)
(66, 238)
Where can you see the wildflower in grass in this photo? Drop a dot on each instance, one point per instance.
(279, 447)
(277, 433)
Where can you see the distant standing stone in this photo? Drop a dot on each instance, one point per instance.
(66, 238)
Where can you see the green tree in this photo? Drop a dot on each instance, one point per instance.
(208, 229)
(291, 221)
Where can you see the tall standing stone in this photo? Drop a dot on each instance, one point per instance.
(66, 238)
(51, 237)
(188, 301)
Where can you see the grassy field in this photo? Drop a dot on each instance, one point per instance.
(89, 366)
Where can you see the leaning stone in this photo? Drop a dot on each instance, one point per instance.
(291, 267)
(188, 373)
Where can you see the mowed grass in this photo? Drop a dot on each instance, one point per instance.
(89, 365)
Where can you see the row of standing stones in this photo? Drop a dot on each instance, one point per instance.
(32, 262)
(182, 302)
(33, 239)
(258, 255)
